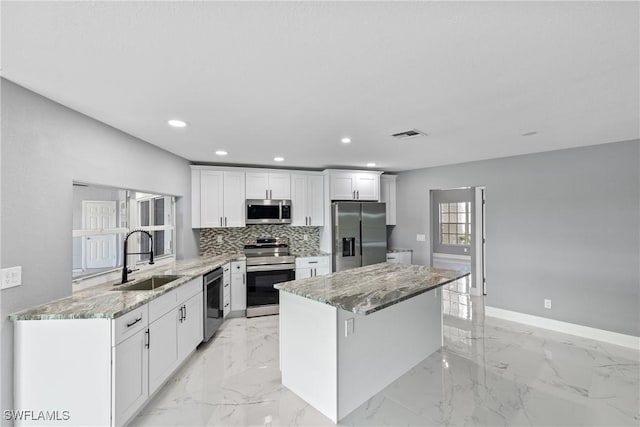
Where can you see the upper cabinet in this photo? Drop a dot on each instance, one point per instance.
(218, 198)
(262, 185)
(353, 185)
(307, 199)
(388, 196)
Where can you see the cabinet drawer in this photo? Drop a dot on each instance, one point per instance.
(130, 323)
(163, 304)
(312, 262)
(189, 289)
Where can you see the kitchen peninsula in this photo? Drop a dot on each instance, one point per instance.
(346, 336)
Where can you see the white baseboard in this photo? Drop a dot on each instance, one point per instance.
(623, 340)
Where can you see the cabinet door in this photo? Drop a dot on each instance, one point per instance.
(303, 273)
(190, 331)
(342, 186)
(234, 199)
(280, 186)
(238, 291)
(257, 185)
(388, 196)
(299, 200)
(163, 348)
(130, 376)
(321, 271)
(368, 186)
(211, 198)
(315, 199)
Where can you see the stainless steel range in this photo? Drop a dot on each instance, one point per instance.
(268, 263)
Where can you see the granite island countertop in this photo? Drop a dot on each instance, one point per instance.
(368, 289)
(398, 250)
(105, 302)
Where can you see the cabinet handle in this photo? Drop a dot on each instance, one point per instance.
(139, 319)
(309, 220)
(225, 221)
(266, 194)
(354, 194)
(220, 221)
(185, 312)
(148, 343)
(243, 279)
(358, 194)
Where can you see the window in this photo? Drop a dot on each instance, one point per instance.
(455, 223)
(103, 216)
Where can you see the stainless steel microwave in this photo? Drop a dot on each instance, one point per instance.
(268, 211)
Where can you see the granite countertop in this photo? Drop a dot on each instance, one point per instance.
(396, 250)
(102, 302)
(309, 253)
(366, 290)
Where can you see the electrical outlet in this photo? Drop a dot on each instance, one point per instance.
(305, 237)
(219, 239)
(421, 238)
(547, 303)
(348, 327)
(11, 277)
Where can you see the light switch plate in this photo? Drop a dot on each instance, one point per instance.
(11, 277)
(348, 327)
(421, 237)
(219, 239)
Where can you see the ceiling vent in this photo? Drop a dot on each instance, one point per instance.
(409, 134)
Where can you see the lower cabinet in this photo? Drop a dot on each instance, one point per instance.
(312, 266)
(102, 371)
(238, 286)
(399, 257)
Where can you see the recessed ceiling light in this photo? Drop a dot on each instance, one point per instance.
(345, 140)
(221, 153)
(371, 165)
(177, 123)
(278, 159)
(533, 132)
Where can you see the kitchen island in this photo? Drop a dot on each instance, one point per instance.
(346, 336)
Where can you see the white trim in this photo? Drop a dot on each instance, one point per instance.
(452, 257)
(623, 340)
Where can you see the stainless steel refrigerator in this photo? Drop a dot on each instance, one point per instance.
(359, 234)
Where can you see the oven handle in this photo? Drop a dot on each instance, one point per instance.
(278, 267)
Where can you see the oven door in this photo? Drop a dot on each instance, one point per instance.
(260, 290)
(213, 299)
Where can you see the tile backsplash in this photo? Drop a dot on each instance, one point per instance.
(234, 239)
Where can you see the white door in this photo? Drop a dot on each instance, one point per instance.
(368, 186)
(130, 376)
(190, 329)
(257, 185)
(234, 199)
(299, 200)
(211, 198)
(315, 199)
(280, 186)
(342, 186)
(163, 348)
(99, 251)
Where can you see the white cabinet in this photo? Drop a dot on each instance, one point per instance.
(226, 290)
(388, 196)
(238, 286)
(354, 185)
(312, 266)
(307, 199)
(403, 257)
(262, 185)
(218, 198)
(103, 371)
(130, 376)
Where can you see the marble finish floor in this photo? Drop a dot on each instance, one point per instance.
(490, 372)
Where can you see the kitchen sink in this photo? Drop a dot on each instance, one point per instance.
(153, 282)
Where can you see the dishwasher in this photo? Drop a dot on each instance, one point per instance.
(213, 300)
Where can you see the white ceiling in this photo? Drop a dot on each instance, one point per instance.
(292, 78)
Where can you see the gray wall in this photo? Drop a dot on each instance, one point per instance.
(561, 225)
(45, 147)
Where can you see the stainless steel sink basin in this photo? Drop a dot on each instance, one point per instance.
(153, 282)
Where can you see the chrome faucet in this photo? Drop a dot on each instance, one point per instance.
(125, 270)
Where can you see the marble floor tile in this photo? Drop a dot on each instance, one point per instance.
(490, 372)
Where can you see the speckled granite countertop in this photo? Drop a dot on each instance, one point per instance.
(395, 250)
(366, 290)
(103, 302)
(316, 252)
